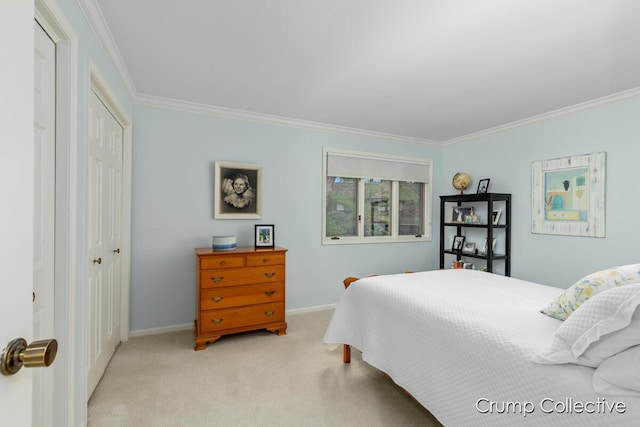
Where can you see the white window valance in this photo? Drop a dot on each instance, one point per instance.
(357, 165)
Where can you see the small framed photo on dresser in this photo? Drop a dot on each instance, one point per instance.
(264, 235)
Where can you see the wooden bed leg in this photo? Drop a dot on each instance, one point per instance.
(346, 353)
(346, 349)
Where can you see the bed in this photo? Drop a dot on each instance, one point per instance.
(462, 343)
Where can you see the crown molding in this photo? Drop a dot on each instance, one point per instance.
(587, 105)
(98, 25)
(156, 101)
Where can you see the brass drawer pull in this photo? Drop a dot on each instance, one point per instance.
(217, 299)
(97, 261)
(269, 313)
(265, 260)
(222, 263)
(217, 321)
(269, 293)
(217, 279)
(270, 274)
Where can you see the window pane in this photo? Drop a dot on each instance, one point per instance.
(411, 209)
(342, 206)
(377, 208)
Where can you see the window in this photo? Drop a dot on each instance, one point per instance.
(373, 198)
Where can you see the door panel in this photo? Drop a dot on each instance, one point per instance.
(105, 238)
(16, 187)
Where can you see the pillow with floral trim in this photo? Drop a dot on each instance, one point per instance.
(569, 300)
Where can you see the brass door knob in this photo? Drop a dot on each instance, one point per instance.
(18, 354)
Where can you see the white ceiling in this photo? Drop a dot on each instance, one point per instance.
(433, 70)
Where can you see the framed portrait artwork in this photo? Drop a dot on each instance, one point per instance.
(237, 190)
(568, 196)
(264, 236)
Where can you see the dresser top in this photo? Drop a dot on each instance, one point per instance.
(238, 250)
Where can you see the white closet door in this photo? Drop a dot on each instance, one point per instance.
(105, 239)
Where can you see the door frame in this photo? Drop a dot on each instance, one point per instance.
(70, 398)
(51, 18)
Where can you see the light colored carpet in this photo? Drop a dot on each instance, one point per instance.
(250, 379)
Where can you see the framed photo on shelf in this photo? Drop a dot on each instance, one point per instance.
(264, 236)
(485, 247)
(483, 186)
(462, 214)
(496, 216)
(469, 248)
(458, 242)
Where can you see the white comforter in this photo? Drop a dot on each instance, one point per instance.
(461, 341)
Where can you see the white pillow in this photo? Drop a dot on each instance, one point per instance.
(619, 374)
(604, 325)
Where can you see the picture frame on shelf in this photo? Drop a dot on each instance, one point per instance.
(462, 214)
(264, 236)
(458, 243)
(237, 190)
(483, 186)
(485, 246)
(469, 248)
(495, 216)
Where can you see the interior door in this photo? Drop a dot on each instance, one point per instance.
(16, 207)
(44, 216)
(105, 238)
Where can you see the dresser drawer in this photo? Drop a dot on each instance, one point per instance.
(265, 259)
(228, 261)
(241, 276)
(235, 296)
(218, 320)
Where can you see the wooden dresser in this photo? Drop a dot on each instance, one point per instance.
(238, 291)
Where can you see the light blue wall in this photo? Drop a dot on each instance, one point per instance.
(506, 159)
(172, 202)
(173, 157)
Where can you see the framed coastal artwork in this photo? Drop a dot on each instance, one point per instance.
(568, 196)
(236, 189)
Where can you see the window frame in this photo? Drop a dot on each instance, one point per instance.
(394, 203)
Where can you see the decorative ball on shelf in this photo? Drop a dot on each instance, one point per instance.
(461, 181)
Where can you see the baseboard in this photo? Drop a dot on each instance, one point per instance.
(310, 309)
(162, 330)
(189, 326)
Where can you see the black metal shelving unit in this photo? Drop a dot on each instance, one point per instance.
(490, 199)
